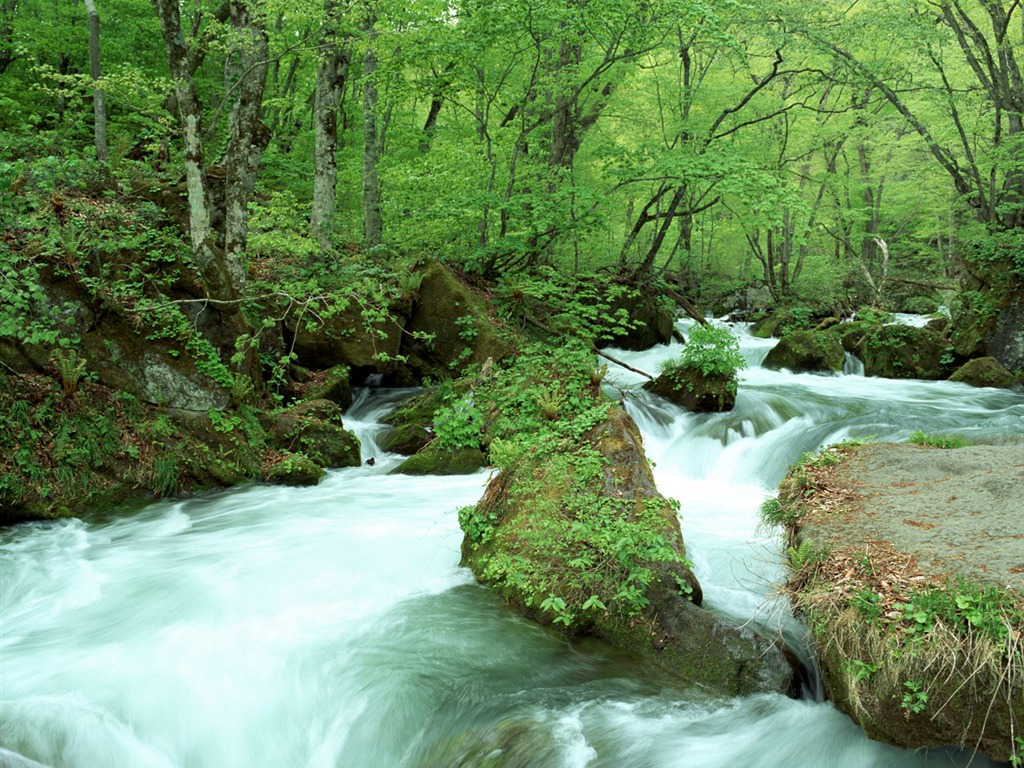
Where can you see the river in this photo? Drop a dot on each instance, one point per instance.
(333, 627)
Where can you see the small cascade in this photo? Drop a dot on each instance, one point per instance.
(326, 626)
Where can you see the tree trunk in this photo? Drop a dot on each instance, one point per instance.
(219, 278)
(248, 138)
(331, 74)
(99, 107)
(373, 225)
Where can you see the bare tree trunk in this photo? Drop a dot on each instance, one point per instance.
(331, 74)
(248, 138)
(99, 107)
(373, 225)
(219, 279)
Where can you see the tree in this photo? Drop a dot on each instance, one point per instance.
(99, 107)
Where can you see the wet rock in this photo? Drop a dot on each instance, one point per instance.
(530, 529)
(807, 351)
(695, 391)
(904, 352)
(986, 372)
(654, 324)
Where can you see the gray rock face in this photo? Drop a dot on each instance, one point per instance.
(1006, 344)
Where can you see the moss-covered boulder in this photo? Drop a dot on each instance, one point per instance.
(296, 470)
(406, 439)
(450, 327)
(696, 391)
(985, 372)
(652, 322)
(334, 384)
(807, 351)
(327, 339)
(582, 539)
(314, 428)
(904, 352)
(435, 460)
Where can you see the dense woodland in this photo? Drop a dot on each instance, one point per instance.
(832, 151)
(214, 175)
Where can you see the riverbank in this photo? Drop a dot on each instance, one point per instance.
(908, 563)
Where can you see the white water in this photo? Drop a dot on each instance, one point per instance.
(332, 626)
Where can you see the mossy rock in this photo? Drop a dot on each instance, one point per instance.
(315, 429)
(904, 352)
(807, 351)
(295, 469)
(346, 339)
(406, 440)
(456, 321)
(654, 324)
(434, 460)
(543, 513)
(695, 391)
(986, 372)
(333, 384)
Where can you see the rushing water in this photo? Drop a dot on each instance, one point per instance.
(332, 627)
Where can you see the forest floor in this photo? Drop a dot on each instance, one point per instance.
(927, 513)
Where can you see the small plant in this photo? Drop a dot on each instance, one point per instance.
(938, 441)
(458, 424)
(915, 698)
(861, 670)
(71, 369)
(711, 350)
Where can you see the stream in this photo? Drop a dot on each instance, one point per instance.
(332, 627)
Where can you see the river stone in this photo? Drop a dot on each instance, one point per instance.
(434, 460)
(333, 384)
(654, 325)
(807, 351)
(295, 470)
(672, 631)
(698, 392)
(985, 372)
(904, 352)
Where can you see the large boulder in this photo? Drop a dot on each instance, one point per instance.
(314, 429)
(450, 327)
(333, 337)
(986, 372)
(904, 352)
(582, 539)
(807, 351)
(1006, 340)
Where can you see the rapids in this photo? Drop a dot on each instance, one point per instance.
(331, 627)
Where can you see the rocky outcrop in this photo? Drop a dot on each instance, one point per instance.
(807, 351)
(919, 638)
(582, 539)
(653, 324)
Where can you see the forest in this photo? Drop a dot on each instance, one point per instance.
(258, 243)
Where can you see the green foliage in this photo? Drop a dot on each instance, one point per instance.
(915, 698)
(938, 441)
(861, 670)
(458, 423)
(70, 367)
(712, 350)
